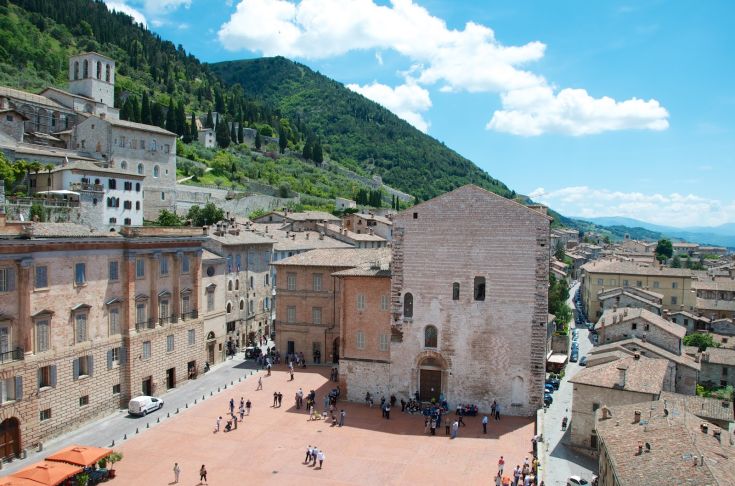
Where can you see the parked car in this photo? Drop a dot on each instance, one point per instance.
(548, 388)
(548, 399)
(553, 382)
(573, 358)
(576, 481)
(253, 352)
(143, 405)
(583, 361)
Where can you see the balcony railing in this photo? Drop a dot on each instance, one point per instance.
(16, 354)
(149, 324)
(172, 319)
(86, 186)
(192, 314)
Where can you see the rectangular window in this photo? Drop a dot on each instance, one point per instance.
(80, 274)
(316, 315)
(42, 335)
(83, 367)
(674, 300)
(163, 312)
(599, 281)
(316, 282)
(674, 285)
(84, 400)
(639, 283)
(291, 314)
(360, 302)
(146, 349)
(140, 314)
(80, 328)
(192, 337)
(384, 342)
(139, 268)
(41, 277)
(7, 279)
(634, 326)
(185, 264)
(595, 406)
(46, 376)
(266, 279)
(210, 301)
(114, 357)
(113, 270)
(116, 389)
(170, 343)
(625, 283)
(163, 264)
(185, 305)
(238, 262)
(251, 306)
(360, 340)
(45, 415)
(114, 321)
(291, 281)
(384, 302)
(656, 284)
(479, 288)
(11, 389)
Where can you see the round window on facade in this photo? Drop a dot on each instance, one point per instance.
(210, 271)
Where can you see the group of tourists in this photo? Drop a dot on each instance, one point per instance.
(314, 454)
(231, 423)
(520, 475)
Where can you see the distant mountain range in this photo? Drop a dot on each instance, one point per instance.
(723, 235)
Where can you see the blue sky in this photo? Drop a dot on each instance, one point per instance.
(595, 108)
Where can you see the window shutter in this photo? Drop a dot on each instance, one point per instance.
(90, 365)
(38, 376)
(75, 371)
(19, 388)
(53, 375)
(11, 279)
(109, 359)
(123, 355)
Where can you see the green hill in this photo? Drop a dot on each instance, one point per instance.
(358, 133)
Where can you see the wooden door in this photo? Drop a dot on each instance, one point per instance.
(430, 384)
(9, 438)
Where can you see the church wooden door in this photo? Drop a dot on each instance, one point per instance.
(430, 384)
(9, 438)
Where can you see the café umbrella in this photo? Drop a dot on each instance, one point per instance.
(80, 455)
(48, 473)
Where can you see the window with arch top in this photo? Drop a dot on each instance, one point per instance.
(479, 288)
(455, 291)
(408, 305)
(156, 171)
(140, 169)
(430, 337)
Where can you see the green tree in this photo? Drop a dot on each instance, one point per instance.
(193, 132)
(126, 112)
(8, 172)
(240, 133)
(168, 218)
(559, 253)
(209, 123)
(135, 109)
(180, 119)
(222, 134)
(316, 153)
(207, 215)
(701, 341)
(34, 167)
(171, 117)
(676, 262)
(284, 190)
(157, 115)
(664, 250)
(233, 133)
(306, 152)
(563, 315)
(37, 212)
(145, 110)
(258, 140)
(282, 140)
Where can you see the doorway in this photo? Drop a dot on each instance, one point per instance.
(148, 386)
(210, 352)
(335, 351)
(290, 347)
(9, 438)
(430, 384)
(170, 378)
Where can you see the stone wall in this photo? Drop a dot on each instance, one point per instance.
(611, 333)
(357, 377)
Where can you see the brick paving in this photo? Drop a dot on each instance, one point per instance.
(269, 447)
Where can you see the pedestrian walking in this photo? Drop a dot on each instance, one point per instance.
(242, 411)
(433, 426)
(177, 471)
(484, 424)
(342, 414)
(308, 454)
(232, 405)
(260, 383)
(455, 429)
(280, 399)
(497, 412)
(320, 455)
(216, 425)
(387, 411)
(275, 399)
(499, 479)
(247, 406)
(314, 456)
(203, 475)
(291, 372)
(501, 465)
(460, 421)
(492, 408)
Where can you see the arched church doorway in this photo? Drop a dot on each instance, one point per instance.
(430, 379)
(9, 438)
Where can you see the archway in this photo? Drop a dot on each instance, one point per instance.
(10, 438)
(517, 391)
(431, 369)
(210, 346)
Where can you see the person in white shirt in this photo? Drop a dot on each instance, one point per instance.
(320, 455)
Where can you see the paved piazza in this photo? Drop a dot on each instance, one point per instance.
(270, 446)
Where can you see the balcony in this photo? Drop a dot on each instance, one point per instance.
(16, 354)
(193, 314)
(149, 324)
(172, 319)
(86, 186)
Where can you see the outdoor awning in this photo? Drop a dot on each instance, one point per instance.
(48, 473)
(557, 358)
(59, 192)
(11, 481)
(80, 455)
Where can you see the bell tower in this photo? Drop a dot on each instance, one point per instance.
(93, 75)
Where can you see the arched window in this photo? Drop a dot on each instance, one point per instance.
(76, 69)
(86, 69)
(430, 337)
(229, 307)
(153, 145)
(99, 70)
(237, 284)
(479, 288)
(124, 165)
(229, 285)
(242, 304)
(455, 291)
(156, 171)
(408, 305)
(107, 73)
(140, 169)
(137, 187)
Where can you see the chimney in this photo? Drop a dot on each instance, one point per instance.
(321, 236)
(103, 116)
(621, 376)
(636, 356)
(637, 417)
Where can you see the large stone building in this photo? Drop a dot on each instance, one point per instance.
(715, 297)
(619, 324)
(634, 379)
(83, 124)
(674, 284)
(718, 367)
(630, 297)
(90, 318)
(470, 274)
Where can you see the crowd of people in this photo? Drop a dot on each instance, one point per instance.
(520, 475)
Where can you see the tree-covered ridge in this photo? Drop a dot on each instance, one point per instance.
(359, 133)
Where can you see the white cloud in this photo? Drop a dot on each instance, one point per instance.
(379, 57)
(407, 101)
(666, 209)
(538, 110)
(138, 17)
(164, 6)
(470, 59)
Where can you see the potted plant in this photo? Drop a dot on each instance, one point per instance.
(116, 456)
(81, 479)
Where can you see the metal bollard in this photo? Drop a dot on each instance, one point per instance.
(168, 415)
(125, 437)
(158, 421)
(147, 425)
(136, 430)
(113, 443)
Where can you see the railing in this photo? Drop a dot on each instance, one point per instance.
(149, 324)
(172, 319)
(86, 186)
(192, 314)
(50, 203)
(16, 354)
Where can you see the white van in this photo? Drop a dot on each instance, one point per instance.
(143, 405)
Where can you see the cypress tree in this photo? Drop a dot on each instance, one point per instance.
(240, 133)
(125, 110)
(282, 140)
(135, 111)
(171, 117)
(258, 140)
(316, 153)
(145, 110)
(233, 133)
(306, 152)
(209, 123)
(180, 118)
(157, 115)
(193, 132)
(222, 134)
